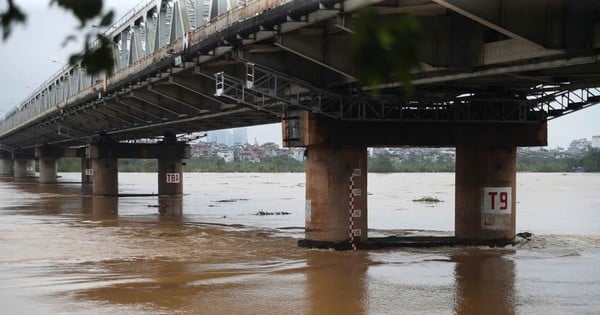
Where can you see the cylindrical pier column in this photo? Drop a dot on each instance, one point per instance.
(106, 177)
(170, 177)
(48, 172)
(6, 167)
(336, 194)
(24, 168)
(485, 193)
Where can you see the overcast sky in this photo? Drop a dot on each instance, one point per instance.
(34, 52)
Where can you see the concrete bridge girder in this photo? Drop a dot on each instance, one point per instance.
(119, 110)
(184, 89)
(153, 100)
(553, 24)
(199, 87)
(177, 96)
(144, 110)
(317, 46)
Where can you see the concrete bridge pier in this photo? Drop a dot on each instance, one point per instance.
(6, 164)
(336, 194)
(87, 171)
(105, 169)
(6, 167)
(105, 155)
(486, 178)
(485, 195)
(485, 209)
(23, 165)
(106, 177)
(170, 176)
(336, 182)
(48, 158)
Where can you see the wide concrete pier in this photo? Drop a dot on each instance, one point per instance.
(485, 201)
(24, 167)
(105, 155)
(47, 158)
(6, 164)
(336, 196)
(336, 175)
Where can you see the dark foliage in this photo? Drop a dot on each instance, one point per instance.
(97, 55)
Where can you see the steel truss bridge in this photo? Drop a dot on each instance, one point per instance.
(198, 65)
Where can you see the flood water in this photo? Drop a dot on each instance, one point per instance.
(65, 252)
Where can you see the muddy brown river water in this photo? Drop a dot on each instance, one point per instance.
(65, 252)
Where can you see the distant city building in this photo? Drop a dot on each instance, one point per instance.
(240, 136)
(228, 137)
(596, 142)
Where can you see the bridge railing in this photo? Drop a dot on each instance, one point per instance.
(140, 33)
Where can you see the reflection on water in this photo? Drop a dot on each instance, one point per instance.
(170, 206)
(485, 283)
(65, 251)
(336, 283)
(102, 208)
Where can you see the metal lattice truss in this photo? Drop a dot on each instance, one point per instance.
(557, 100)
(266, 90)
(148, 28)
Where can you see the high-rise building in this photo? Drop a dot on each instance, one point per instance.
(228, 137)
(240, 136)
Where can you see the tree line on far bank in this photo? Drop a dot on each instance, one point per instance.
(590, 162)
(377, 164)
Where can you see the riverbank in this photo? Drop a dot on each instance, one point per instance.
(377, 164)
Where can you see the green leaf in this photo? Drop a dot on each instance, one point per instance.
(386, 48)
(84, 10)
(12, 15)
(107, 19)
(97, 59)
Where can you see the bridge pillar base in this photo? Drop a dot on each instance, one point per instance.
(170, 206)
(48, 173)
(6, 167)
(106, 177)
(24, 168)
(170, 177)
(485, 193)
(336, 181)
